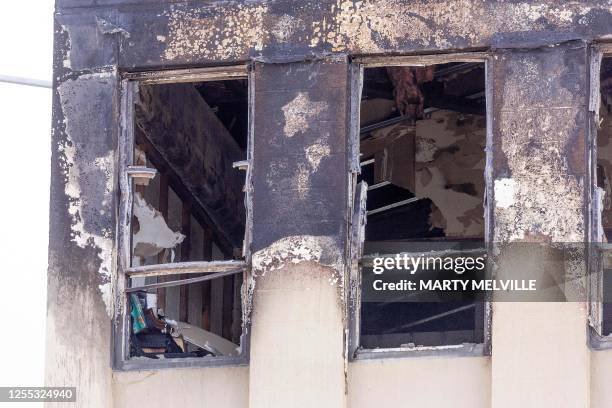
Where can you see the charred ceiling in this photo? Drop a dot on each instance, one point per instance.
(229, 100)
(414, 91)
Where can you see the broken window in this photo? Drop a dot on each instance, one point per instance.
(422, 143)
(185, 219)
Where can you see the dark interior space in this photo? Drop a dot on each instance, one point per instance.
(422, 145)
(189, 208)
(229, 101)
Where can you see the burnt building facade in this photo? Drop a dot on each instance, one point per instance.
(224, 172)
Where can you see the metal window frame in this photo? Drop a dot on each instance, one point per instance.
(355, 352)
(121, 327)
(597, 249)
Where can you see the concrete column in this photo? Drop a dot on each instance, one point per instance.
(540, 356)
(81, 245)
(299, 195)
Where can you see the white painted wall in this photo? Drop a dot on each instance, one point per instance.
(226, 387)
(457, 382)
(601, 378)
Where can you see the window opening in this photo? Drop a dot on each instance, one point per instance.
(422, 155)
(187, 219)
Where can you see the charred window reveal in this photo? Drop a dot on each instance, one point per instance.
(604, 187)
(187, 212)
(422, 153)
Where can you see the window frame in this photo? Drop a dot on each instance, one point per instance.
(121, 322)
(356, 227)
(596, 248)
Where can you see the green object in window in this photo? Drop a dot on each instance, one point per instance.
(138, 320)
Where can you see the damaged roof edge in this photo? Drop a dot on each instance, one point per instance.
(143, 36)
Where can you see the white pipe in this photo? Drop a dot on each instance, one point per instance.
(25, 81)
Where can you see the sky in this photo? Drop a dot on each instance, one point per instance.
(26, 36)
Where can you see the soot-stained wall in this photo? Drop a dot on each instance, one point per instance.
(538, 77)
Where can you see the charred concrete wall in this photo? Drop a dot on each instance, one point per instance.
(82, 244)
(299, 184)
(539, 82)
(154, 34)
(539, 139)
(539, 174)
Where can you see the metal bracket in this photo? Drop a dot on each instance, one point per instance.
(241, 165)
(141, 172)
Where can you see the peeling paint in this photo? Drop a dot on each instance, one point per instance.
(285, 28)
(297, 249)
(104, 243)
(300, 112)
(71, 165)
(537, 188)
(315, 153)
(106, 27)
(218, 31)
(293, 250)
(66, 61)
(221, 36)
(504, 192)
(537, 134)
(373, 26)
(302, 180)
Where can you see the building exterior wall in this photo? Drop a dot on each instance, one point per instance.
(299, 184)
(539, 140)
(213, 387)
(539, 79)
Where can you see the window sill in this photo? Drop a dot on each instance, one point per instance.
(144, 363)
(458, 350)
(598, 342)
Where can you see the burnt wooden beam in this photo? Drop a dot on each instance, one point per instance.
(185, 256)
(185, 268)
(457, 104)
(383, 124)
(228, 306)
(206, 287)
(163, 209)
(436, 96)
(184, 282)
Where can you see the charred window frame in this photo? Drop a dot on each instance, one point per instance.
(202, 270)
(598, 191)
(357, 199)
